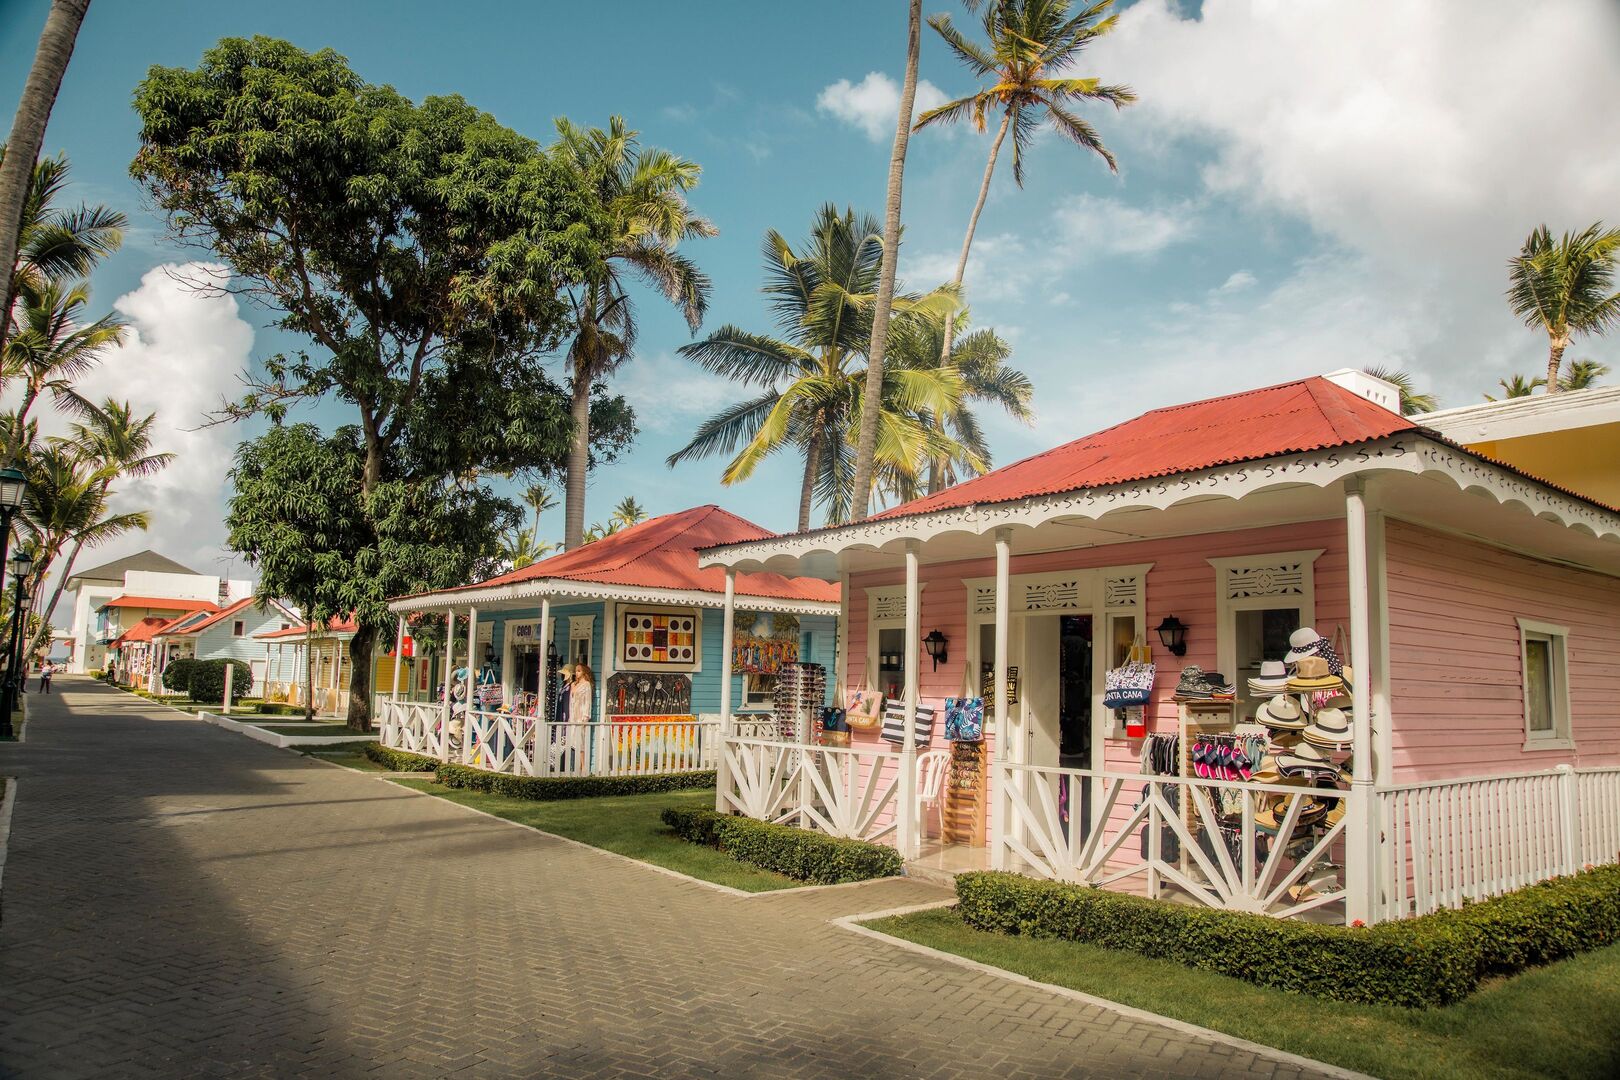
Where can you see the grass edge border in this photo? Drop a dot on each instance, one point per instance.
(856, 924)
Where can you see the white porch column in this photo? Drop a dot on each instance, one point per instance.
(1361, 831)
(540, 760)
(472, 684)
(998, 805)
(722, 771)
(337, 674)
(444, 702)
(910, 843)
(399, 654)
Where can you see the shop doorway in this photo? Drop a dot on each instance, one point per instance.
(1057, 667)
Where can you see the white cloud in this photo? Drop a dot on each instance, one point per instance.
(873, 103)
(1102, 226)
(1237, 282)
(185, 349)
(672, 395)
(1422, 142)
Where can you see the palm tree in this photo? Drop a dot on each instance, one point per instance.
(642, 194)
(28, 129)
(519, 548)
(811, 387)
(979, 358)
(629, 512)
(1519, 387)
(872, 394)
(540, 499)
(112, 442)
(1583, 375)
(1412, 402)
(60, 244)
(51, 347)
(1029, 41)
(1565, 288)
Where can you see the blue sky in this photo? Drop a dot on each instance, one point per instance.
(1303, 186)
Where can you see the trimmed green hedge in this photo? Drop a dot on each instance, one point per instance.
(1434, 960)
(208, 680)
(177, 676)
(398, 760)
(545, 788)
(796, 853)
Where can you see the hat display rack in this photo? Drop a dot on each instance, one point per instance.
(1302, 729)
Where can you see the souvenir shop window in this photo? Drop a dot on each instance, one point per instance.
(1259, 634)
(1544, 651)
(891, 661)
(759, 690)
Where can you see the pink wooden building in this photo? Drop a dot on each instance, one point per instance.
(1478, 608)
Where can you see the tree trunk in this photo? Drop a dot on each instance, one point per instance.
(44, 630)
(359, 718)
(1555, 363)
(28, 130)
(866, 445)
(579, 460)
(967, 241)
(812, 462)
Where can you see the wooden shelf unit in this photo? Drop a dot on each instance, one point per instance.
(964, 794)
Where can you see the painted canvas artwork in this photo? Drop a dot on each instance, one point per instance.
(659, 638)
(763, 643)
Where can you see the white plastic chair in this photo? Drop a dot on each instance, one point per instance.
(931, 768)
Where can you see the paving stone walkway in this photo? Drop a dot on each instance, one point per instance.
(182, 901)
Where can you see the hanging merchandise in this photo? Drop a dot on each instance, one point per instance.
(798, 699)
(863, 709)
(1307, 643)
(1129, 684)
(1135, 722)
(964, 719)
(894, 723)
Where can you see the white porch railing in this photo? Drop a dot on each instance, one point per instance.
(853, 793)
(509, 743)
(1597, 793)
(763, 778)
(1162, 835)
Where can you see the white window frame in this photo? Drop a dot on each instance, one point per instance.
(749, 694)
(1227, 606)
(1561, 735)
(882, 595)
(239, 628)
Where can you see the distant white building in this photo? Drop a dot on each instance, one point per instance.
(107, 596)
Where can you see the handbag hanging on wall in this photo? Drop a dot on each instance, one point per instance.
(964, 719)
(894, 724)
(863, 709)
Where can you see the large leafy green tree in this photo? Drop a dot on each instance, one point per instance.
(425, 250)
(811, 379)
(1565, 287)
(641, 193)
(1030, 45)
(300, 511)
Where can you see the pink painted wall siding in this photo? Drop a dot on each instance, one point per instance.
(1455, 670)
(1181, 583)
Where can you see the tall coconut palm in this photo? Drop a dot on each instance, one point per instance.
(642, 194)
(1583, 375)
(1411, 402)
(629, 512)
(540, 499)
(872, 395)
(1565, 287)
(811, 381)
(51, 347)
(112, 442)
(1030, 44)
(28, 128)
(980, 359)
(1518, 387)
(60, 243)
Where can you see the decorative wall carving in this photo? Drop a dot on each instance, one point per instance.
(1264, 579)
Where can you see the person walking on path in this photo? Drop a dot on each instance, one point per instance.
(46, 670)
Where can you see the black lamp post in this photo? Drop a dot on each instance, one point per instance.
(20, 564)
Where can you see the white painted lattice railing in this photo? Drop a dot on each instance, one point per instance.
(411, 726)
(852, 793)
(1597, 793)
(763, 778)
(1164, 835)
(1448, 841)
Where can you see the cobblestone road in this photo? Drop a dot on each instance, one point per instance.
(180, 901)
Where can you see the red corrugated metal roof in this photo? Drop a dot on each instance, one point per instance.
(336, 624)
(203, 624)
(1295, 417)
(141, 631)
(159, 603)
(662, 553)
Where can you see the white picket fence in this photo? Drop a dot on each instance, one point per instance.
(850, 793)
(1597, 793)
(1164, 835)
(508, 743)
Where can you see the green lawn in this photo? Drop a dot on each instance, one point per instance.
(314, 729)
(346, 755)
(1559, 1021)
(627, 824)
